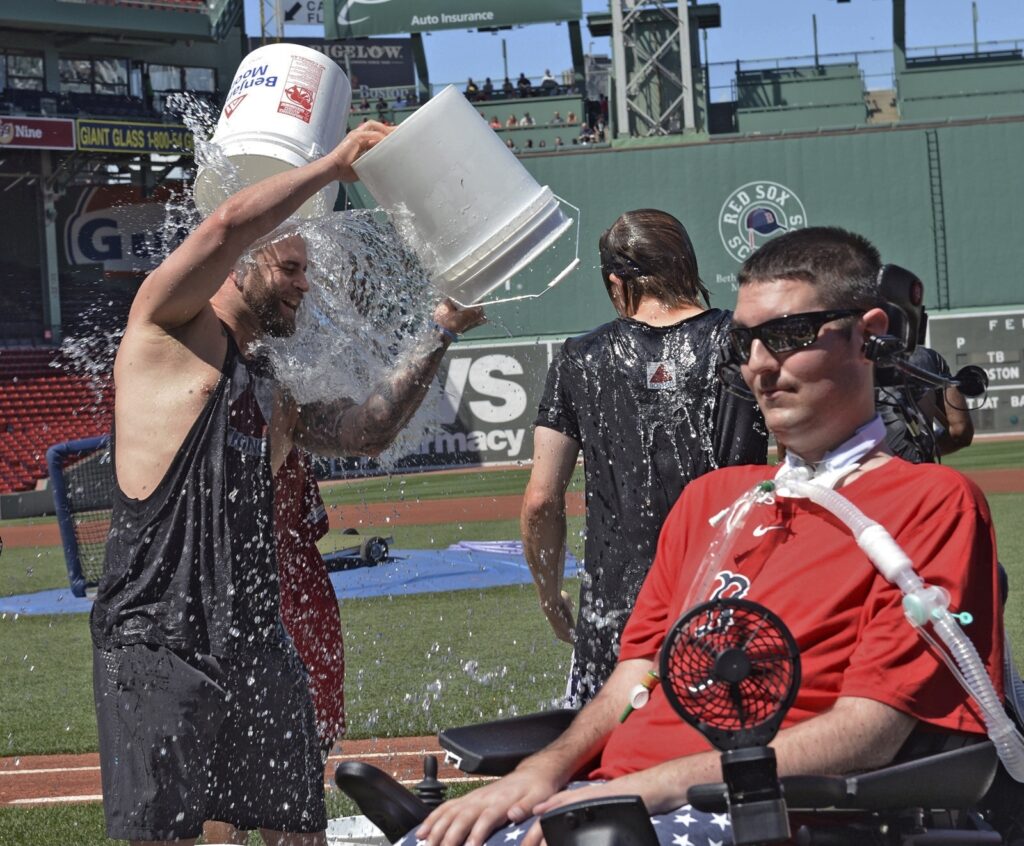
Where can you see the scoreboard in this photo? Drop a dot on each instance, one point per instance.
(994, 340)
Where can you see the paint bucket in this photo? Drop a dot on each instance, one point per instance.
(287, 106)
(464, 203)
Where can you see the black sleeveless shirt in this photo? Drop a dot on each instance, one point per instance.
(193, 566)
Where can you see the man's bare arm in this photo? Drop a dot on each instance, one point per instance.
(542, 524)
(183, 284)
(345, 428)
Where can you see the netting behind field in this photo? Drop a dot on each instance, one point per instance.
(82, 478)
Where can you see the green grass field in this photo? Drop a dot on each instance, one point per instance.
(414, 663)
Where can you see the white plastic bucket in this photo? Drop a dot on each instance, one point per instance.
(477, 216)
(287, 105)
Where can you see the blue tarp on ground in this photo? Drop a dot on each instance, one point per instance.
(465, 566)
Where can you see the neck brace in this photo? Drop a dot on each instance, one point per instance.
(838, 463)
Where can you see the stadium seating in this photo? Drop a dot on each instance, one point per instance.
(43, 404)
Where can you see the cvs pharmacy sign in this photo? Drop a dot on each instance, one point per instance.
(489, 401)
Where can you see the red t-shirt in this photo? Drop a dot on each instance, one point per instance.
(309, 608)
(803, 564)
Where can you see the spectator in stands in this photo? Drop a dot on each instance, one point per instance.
(526, 120)
(806, 305)
(571, 118)
(557, 118)
(529, 143)
(382, 107)
(603, 100)
(488, 89)
(495, 122)
(400, 101)
(511, 121)
(507, 88)
(653, 371)
(364, 105)
(558, 142)
(511, 145)
(190, 653)
(548, 84)
(524, 86)
(586, 135)
(542, 144)
(471, 90)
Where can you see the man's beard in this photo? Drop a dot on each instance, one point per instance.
(267, 308)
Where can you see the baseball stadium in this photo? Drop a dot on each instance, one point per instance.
(107, 108)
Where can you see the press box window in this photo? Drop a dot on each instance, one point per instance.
(22, 71)
(169, 79)
(94, 76)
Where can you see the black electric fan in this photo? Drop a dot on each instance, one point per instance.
(731, 669)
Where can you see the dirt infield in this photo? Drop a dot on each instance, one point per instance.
(59, 779)
(470, 509)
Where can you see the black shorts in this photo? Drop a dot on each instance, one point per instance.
(185, 740)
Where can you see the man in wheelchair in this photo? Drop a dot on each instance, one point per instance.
(807, 310)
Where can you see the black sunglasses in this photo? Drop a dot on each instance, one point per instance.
(784, 334)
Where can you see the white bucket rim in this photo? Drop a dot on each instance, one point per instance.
(323, 201)
(544, 232)
(257, 146)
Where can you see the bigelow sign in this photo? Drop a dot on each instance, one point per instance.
(347, 18)
(374, 66)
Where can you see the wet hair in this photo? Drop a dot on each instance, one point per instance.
(651, 252)
(842, 265)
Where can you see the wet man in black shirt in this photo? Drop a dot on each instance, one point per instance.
(640, 397)
(202, 704)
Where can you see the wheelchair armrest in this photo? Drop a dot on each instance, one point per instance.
(496, 747)
(384, 802)
(951, 780)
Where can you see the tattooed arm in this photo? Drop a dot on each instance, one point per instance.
(343, 427)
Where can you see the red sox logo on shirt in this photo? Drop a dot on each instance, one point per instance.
(728, 586)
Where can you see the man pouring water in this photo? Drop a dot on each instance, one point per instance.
(202, 704)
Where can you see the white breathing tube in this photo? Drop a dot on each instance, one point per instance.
(922, 604)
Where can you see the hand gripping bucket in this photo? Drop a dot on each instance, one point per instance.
(287, 106)
(475, 214)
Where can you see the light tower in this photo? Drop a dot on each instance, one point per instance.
(659, 83)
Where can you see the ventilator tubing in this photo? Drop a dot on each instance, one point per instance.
(922, 604)
(729, 522)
